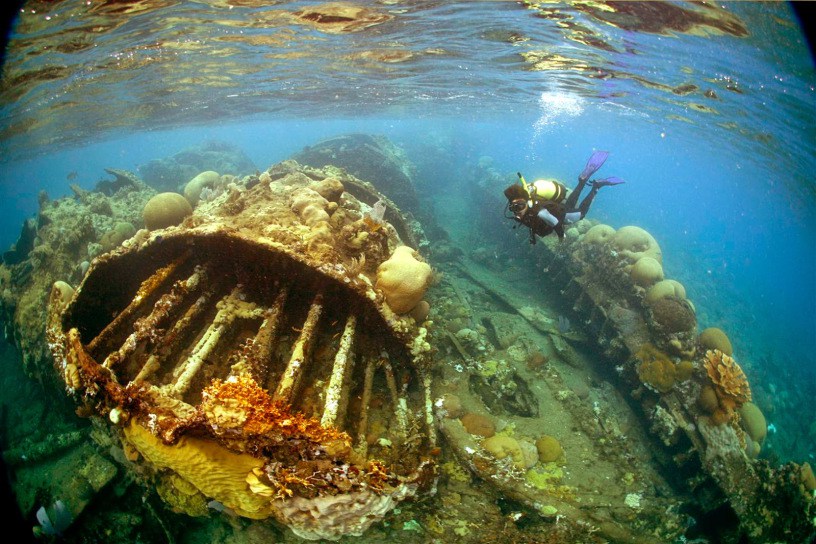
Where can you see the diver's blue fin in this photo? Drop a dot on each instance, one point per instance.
(595, 161)
(612, 180)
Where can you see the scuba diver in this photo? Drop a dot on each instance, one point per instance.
(544, 205)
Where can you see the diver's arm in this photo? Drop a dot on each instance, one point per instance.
(547, 217)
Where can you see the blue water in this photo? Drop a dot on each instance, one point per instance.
(737, 227)
(727, 189)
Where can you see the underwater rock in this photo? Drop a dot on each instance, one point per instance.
(252, 363)
(24, 244)
(171, 173)
(122, 180)
(385, 165)
(76, 477)
(69, 232)
(29, 451)
(372, 158)
(505, 392)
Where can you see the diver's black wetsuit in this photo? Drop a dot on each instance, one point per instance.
(547, 216)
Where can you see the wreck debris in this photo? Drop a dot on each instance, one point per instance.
(237, 352)
(689, 393)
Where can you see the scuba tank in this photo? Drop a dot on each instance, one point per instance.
(547, 190)
(541, 191)
(544, 190)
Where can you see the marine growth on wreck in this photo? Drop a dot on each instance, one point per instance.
(244, 354)
(287, 348)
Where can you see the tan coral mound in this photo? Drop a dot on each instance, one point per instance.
(549, 449)
(729, 380)
(753, 421)
(665, 288)
(165, 210)
(194, 187)
(646, 272)
(598, 234)
(715, 338)
(633, 243)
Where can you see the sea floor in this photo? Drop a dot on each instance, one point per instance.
(566, 387)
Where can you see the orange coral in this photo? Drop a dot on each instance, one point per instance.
(372, 224)
(729, 380)
(285, 478)
(377, 476)
(243, 402)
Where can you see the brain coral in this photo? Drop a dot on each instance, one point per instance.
(501, 446)
(634, 243)
(646, 272)
(478, 424)
(714, 338)
(310, 206)
(598, 234)
(729, 380)
(192, 191)
(665, 288)
(165, 210)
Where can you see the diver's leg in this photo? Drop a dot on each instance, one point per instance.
(595, 161)
(587, 202)
(572, 199)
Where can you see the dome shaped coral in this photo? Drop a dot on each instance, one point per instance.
(633, 243)
(729, 380)
(672, 315)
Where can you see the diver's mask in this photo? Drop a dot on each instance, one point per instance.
(517, 206)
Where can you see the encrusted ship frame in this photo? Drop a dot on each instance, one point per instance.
(278, 383)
